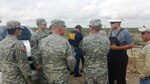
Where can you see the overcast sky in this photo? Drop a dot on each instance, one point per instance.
(134, 12)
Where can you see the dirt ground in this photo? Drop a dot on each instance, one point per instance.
(132, 74)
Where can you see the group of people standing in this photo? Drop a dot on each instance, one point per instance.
(55, 58)
(103, 55)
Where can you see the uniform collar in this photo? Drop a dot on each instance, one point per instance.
(12, 37)
(148, 42)
(55, 34)
(94, 34)
(42, 31)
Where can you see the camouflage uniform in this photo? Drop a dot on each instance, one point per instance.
(34, 41)
(14, 61)
(57, 57)
(35, 38)
(96, 48)
(104, 34)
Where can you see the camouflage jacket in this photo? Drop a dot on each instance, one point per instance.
(34, 41)
(14, 61)
(56, 56)
(96, 48)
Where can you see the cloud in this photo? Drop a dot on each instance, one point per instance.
(135, 12)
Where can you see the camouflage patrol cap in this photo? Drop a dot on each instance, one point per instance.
(95, 22)
(57, 22)
(40, 21)
(13, 24)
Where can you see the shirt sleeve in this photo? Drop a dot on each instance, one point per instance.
(22, 61)
(79, 36)
(32, 41)
(146, 69)
(70, 57)
(128, 38)
(34, 48)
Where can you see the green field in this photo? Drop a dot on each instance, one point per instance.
(85, 31)
(133, 31)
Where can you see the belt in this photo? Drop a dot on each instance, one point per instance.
(147, 77)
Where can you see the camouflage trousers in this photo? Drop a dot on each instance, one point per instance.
(95, 79)
(58, 78)
(58, 82)
(5, 81)
(42, 77)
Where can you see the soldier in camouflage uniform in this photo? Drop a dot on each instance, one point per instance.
(14, 61)
(34, 41)
(57, 56)
(37, 36)
(96, 48)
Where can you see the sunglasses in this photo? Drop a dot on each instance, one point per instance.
(90, 26)
(113, 22)
(142, 33)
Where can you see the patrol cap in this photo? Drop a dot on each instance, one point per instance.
(57, 22)
(144, 29)
(95, 22)
(40, 21)
(13, 24)
(78, 27)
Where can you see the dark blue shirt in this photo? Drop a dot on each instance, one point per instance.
(75, 38)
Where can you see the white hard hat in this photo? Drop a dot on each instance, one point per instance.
(115, 20)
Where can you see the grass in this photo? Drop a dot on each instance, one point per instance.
(132, 31)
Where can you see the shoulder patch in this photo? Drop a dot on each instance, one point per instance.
(24, 49)
(72, 36)
(33, 39)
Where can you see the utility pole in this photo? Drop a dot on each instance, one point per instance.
(0, 14)
(0, 20)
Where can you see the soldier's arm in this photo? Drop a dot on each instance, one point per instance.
(38, 55)
(34, 45)
(104, 49)
(22, 61)
(32, 41)
(81, 47)
(70, 57)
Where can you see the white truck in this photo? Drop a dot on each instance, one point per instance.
(26, 33)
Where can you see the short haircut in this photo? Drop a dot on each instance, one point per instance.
(12, 31)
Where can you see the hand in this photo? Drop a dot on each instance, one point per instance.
(114, 47)
(142, 77)
(38, 67)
